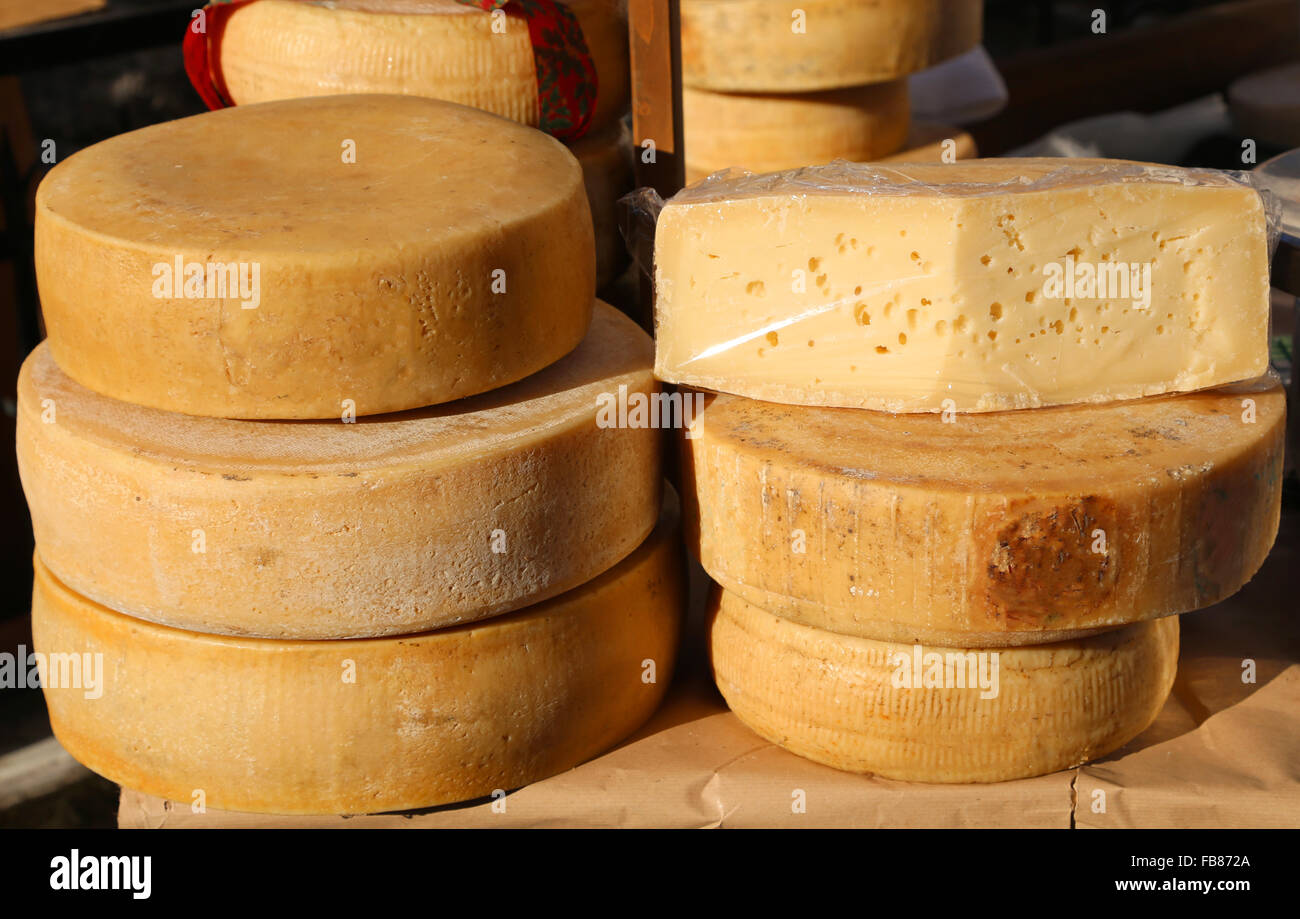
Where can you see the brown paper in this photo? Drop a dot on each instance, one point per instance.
(1223, 753)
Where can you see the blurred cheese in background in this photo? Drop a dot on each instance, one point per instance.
(16, 13)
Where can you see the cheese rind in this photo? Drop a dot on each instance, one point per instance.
(770, 132)
(302, 727)
(803, 45)
(319, 530)
(286, 49)
(864, 706)
(1002, 529)
(406, 252)
(975, 286)
(606, 159)
(931, 142)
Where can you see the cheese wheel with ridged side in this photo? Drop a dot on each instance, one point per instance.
(986, 530)
(315, 530)
(284, 49)
(933, 714)
(340, 727)
(391, 252)
(804, 45)
(606, 158)
(771, 132)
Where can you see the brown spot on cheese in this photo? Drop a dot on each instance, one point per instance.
(1041, 569)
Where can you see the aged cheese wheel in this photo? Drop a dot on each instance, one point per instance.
(769, 132)
(283, 49)
(802, 45)
(407, 522)
(388, 250)
(974, 286)
(984, 530)
(606, 158)
(1266, 105)
(930, 142)
(936, 714)
(302, 727)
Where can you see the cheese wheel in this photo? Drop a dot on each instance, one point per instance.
(803, 45)
(322, 529)
(284, 49)
(1266, 105)
(768, 133)
(985, 530)
(606, 159)
(391, 251)
(935, 714)
(930, 142)
(302, 727)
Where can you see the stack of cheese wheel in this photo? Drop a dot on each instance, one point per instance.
(443, 49)
(953, 507)
(769, 85)
(316, 465)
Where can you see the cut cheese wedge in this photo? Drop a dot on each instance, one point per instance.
(803, 45)
(974, 286)
(935, 714)
(930, 142)
(986, 530)
(307, 258)
(299, 727)
(768, 132)
(322, 529)
(606, 159)
(285, 49)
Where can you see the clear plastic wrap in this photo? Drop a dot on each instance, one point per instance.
(978, 286)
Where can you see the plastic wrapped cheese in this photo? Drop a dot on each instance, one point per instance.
(976, 286)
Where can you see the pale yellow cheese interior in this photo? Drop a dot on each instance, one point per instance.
(866, 706)
(408, 252)
(341, 727)
(930, 287)
(392, 524)
(1000, 529)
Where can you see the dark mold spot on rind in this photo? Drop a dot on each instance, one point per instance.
(1041, 569)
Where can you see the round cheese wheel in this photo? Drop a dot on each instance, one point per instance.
(1005, 528)
(930, 142)
(771, 133)
(935, 714)
(323, 529)
(284, 49)
(606, 159)
(295, 259)
(801, 45)
(1266, 105)
(330, 727)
